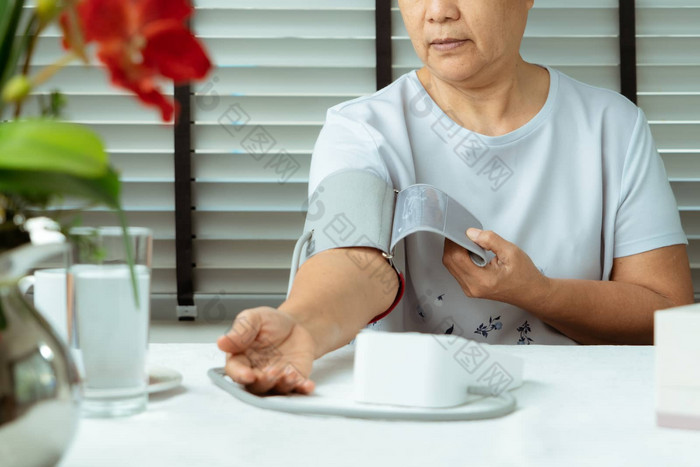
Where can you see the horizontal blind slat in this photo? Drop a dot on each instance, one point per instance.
(682, 165)
(691, 223)
(284, 23)
(163, 281)
(285, 4)
(668, 50)
(292, 51)
(241, 281)
(134, 166)
(250, 225)
(247, 168)
(77, 78)
(686, 194)
(162, 223)
(250, 197)
(287, 80)
(135, 136)
(666, 3)
(676, 136)
(674, 108)
(668, 78)
(136, 196)
(226, 138)
(101, 108)
(244, 254)
(288, 109)
(668, 21)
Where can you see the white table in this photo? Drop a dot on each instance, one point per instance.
(579, 406)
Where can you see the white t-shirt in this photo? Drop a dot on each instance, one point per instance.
(578, 185)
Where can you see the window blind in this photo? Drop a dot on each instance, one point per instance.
(668, 69)
(280, 65)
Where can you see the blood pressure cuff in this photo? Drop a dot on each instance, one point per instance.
(353, 208)
(356, 208)
(350, 208)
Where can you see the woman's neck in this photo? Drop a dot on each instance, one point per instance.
(493, 103)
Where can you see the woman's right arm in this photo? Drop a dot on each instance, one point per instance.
(335, 294)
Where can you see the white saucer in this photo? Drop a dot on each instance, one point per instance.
(161, 379)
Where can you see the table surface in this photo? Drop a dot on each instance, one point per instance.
(580, 405)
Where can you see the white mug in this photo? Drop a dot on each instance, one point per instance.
(49, 297)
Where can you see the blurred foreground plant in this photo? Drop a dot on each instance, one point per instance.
(142, 45)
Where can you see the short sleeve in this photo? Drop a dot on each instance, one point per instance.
(647, 215)
(344, 143)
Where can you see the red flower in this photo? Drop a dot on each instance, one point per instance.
(142, 40)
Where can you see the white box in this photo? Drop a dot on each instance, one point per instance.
(428, 370)
(677, 366)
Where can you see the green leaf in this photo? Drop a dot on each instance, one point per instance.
(9, 22)
(20, 49)
(55, 105)
(4, 16)
(36, 184)
(47, 145)
(10, 12)
(129, 257)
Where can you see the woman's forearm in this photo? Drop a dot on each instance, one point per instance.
(337, 292)
(599, 312)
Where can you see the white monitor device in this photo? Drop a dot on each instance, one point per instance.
(429, 370)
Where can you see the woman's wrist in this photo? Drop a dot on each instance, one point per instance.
(540, 297)
(322, 333)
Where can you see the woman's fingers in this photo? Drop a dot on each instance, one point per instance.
(238, 367)
(242, 333)
(287, 382)
(292, 380)
(266, 380)
(280, 380)
(225, 345)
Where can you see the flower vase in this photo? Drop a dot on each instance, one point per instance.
(39, 383)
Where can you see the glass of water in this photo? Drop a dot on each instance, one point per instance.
(108, 315)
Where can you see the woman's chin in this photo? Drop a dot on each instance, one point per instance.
(453, 70)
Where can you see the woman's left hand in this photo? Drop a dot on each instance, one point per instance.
(510, 277)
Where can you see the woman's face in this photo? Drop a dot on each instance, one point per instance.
(490, 32)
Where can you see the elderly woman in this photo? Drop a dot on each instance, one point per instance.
(565, 176)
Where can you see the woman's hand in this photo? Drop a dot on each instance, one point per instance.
(267, 349)
(510, 277)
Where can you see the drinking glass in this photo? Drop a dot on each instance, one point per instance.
(108, 315)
